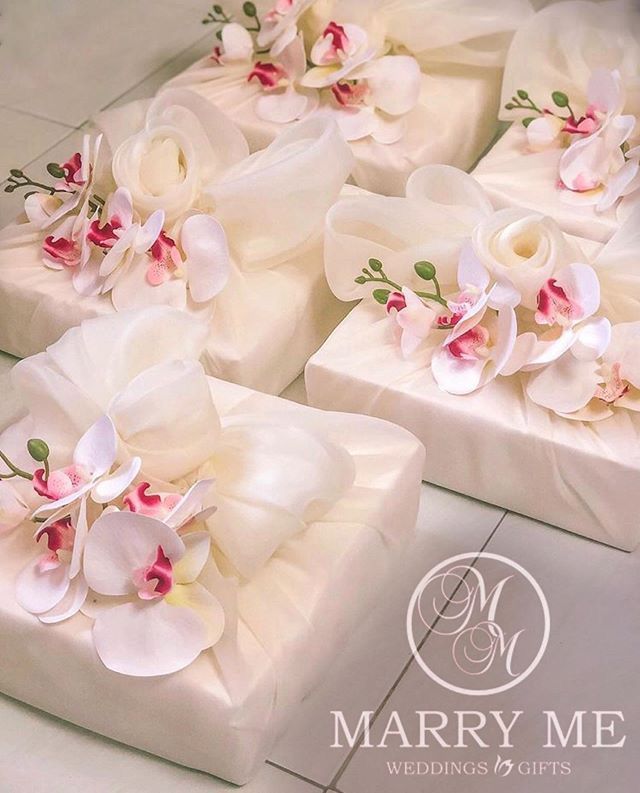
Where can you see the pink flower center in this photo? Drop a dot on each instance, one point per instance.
(281, 8)
(156, 580)
(396, 301)
(104, 236)
(62, 251)
(472, 345)
(268, 75)
(554, 306)
(153, 505)
(60, 537)
(458, 308)
(339, 38)
(349, 94)
(72, 170)
(585, 125)
(60, 483)
(613, 388)
(165, 260)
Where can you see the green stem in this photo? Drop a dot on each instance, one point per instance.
(15, 471)
(437, 298)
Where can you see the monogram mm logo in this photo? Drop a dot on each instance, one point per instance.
(488, 623)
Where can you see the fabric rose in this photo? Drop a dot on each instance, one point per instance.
(185, 144)
(524, 248)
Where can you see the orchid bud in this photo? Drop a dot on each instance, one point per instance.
(376, 265)
(425, 270)
(361, 279)
(249, 10)
(381, 295)
(38, 449)
(55, 170)
(560, 99)
(522, 94)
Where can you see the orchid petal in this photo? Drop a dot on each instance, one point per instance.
(70, 604)
(592, 339)
(471, 271)
(38, 591)
(109, 488)
(149, 639)
(97, 448)
(604, 90)
(189, 505)
(282, 108)
(565, 386)
(207, 261)
(197, 550)
(581, 285)
(356, 122)
(455, 375)
(121, 207)
(81, 527)
(237, 43)
(150, 232)
(120, 543)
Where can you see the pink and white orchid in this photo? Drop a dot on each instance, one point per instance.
(44, 210)
(414, 318)
(53, 586)
(177, 511)
(282, 101)
(13, 509)
(89, 473)
(168, 618)
(370, 94)
(280, 24)
(481, 342)
(592, 385)
(595, 166)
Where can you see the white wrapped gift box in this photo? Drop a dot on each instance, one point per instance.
(454, 122)
(223, 713)
(559, 50)
(493, 444)
(274, 307)
(264, 325)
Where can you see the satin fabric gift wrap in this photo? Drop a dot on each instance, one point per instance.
(572, 90)
(409, 82)
(201, 550)
(166, 206)
(510, 349)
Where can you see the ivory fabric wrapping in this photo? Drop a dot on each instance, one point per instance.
(556, 51)
(494, 444)
(224, 712)
(264, 324)
(453, 122)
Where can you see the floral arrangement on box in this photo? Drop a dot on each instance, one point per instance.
(598, 165)
(302, 61)
(165, 211)
(148, 520)
(509, 296)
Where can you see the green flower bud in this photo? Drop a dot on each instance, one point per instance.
(376, 265)
(509, 106)
(218, 9)
(522, 94)
(10, 188)
(381, 295)
(560, 99)
(527, 121)
(55, 170)
(38, 449)
(361, 279)
(17, 173)
(425, 270)
(249, 10)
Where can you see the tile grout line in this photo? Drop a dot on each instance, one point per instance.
(156, 70)
(343, 767)
(39, 116)
(295, 774)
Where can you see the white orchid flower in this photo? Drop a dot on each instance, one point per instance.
(370, 94)
(89, 474)
(44, 210)
(280, 24)
(603, 378)
(595, 166)
(282, 102)
(484, 330)
(414, 318)
(167, 618)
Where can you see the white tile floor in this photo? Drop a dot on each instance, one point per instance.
(70, 59)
